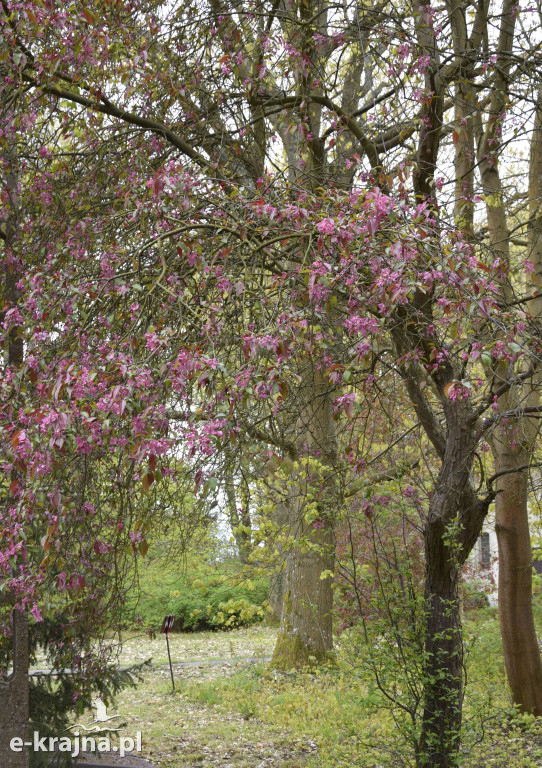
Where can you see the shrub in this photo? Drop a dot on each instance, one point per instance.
(202, 598)
(238, 613)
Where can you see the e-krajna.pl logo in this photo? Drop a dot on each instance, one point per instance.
(77, 744)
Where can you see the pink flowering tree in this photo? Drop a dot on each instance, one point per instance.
(223, 243)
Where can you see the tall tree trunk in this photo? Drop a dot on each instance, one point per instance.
(520, 644)
(454, 521)
(305, 634)
(513, 442)
(513, 445)
(14, 698)
(443, 668)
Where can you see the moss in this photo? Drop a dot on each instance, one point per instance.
(271, 619)
(291, 652)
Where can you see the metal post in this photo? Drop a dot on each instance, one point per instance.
(169, 657)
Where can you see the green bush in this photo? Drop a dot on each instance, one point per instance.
(238, 613)
(201, 598)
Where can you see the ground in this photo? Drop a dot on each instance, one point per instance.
(181, 733)
(234, 713)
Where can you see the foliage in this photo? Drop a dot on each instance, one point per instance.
(201, 594)
(477, 583)
(55, 698)
(338, 710)
(379, 547)
(175, 283)
(381, 609)
(237, 613)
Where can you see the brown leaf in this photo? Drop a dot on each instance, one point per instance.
(448, 388)
(147, 481)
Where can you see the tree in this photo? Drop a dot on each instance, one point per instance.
(15, 690)
(261, 269)
(513, 445)
(487, 148)
(71, 519)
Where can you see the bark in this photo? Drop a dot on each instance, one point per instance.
(431, 122)
(464, 158)
(443, 684)
(443, 668)
(464, 107)
(513, 445)
(14, 704)
(520, 644)
(305, 634)
(454, 521)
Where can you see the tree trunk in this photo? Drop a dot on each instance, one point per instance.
(513, 444)
(305, 634)
(519, 641)
(443, 668)
(14, 704)
(454, 521)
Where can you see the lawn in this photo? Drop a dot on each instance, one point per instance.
(241, 715)
(202, 724)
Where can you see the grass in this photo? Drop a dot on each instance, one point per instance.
(244, 716)
(192, 728)
(257, 640)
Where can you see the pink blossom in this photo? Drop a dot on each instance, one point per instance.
(326, 226)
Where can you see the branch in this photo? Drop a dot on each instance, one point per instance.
(381, 477)
(404, 344)
(534, 411)
(107, 108)
(392, 445)
(257, 434)
(521, 468)
(349, 121)
(489, 399)
(265, 438)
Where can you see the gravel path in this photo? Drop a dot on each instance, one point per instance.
(112, 761)
(176, 664)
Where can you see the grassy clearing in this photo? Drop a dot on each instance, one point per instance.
(184, 732)
(257, 640)
(243, 716)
